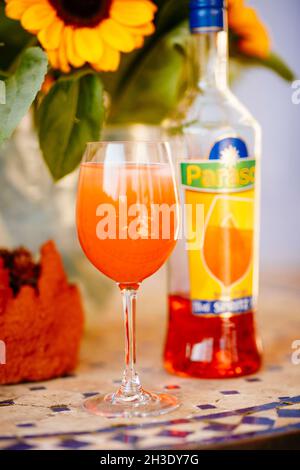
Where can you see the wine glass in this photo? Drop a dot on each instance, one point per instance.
(127, 224)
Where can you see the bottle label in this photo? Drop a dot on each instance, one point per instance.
(221, 268)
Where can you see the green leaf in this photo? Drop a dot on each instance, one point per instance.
(21, 89)
(273, 62)
(171, 14)
(3, 75)
(156, 84)
(69, 116)
(278, 65)
(2, 92)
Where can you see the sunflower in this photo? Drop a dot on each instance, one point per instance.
(253, 38)
(75, 32)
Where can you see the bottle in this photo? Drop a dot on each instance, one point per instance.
(213, 277)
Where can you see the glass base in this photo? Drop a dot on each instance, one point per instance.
(141, 405)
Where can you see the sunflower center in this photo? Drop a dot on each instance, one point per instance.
(82, 13)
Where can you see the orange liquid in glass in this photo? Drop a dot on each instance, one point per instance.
(125, 260)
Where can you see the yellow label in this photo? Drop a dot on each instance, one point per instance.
(221, 268)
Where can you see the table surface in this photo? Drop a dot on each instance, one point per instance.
(49, 415)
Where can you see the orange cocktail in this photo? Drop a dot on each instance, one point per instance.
(122, 201)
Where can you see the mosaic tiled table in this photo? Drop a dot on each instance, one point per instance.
(214, 413)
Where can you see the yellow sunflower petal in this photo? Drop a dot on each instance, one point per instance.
(255, 42)
(132, 12)
(144, 30)
(72, 56)
(50, 37)
(254, 48)
(53, 58)
(110, 60)
(62, 58)
(138, 41)
(150, 4)
(15, 9)
(38, 16)
(234, 4)
(116, 36)
(47, 84)
(240, 18)
(88, 44)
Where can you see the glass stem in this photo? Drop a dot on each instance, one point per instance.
(131, 388)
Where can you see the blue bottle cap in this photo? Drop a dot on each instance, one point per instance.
(208, 4)
(207, 15)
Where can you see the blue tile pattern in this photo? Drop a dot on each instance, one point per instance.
(211, 415)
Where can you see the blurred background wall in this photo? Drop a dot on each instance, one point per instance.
(270, 100)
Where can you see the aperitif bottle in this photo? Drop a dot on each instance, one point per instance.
(214, 269)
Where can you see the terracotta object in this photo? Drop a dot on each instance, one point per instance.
(41, 317)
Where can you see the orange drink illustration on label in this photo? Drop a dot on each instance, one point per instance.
(228, 239)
